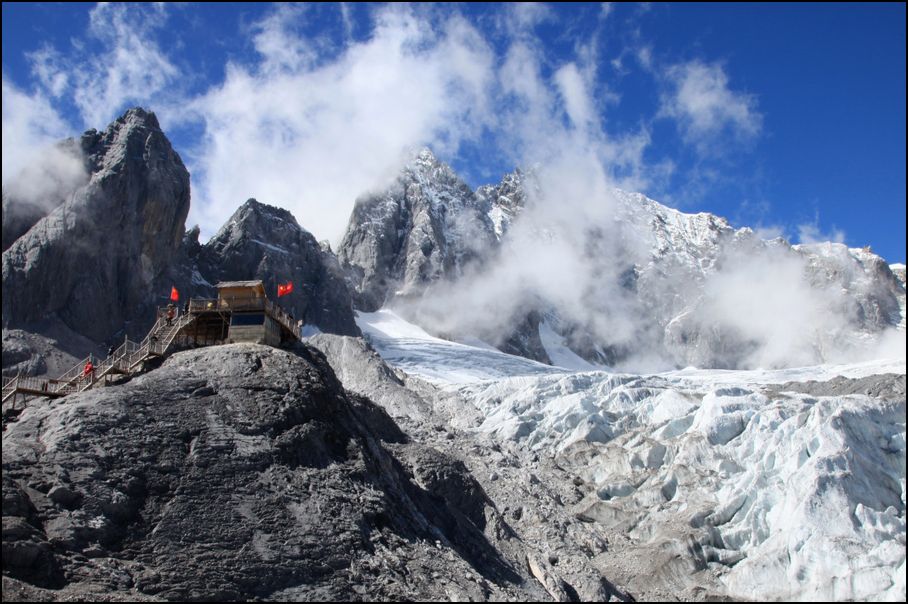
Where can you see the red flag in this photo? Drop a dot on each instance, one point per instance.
(284, 288)
(174, 294)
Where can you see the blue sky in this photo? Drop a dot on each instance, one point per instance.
(785, 118)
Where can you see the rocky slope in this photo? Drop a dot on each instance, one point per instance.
(241, 472)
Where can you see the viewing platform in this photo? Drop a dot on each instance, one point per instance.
(241, 313)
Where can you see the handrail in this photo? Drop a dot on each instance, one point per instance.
(76, 371)
(202, 304)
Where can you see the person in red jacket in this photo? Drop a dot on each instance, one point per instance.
(89, 369)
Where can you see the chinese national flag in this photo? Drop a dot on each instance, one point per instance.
(174, 294)
(284, 288)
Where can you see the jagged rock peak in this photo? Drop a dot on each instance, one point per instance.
(135, 136)
(424, 166)
(266, 242)
(253, 208)
(135, 118)
(98, 260)
(259, 221)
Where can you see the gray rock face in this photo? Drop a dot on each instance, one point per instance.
(98, 260)
(362, 371)
(54, 351)
(429, 225)
(239, 472)
(264, 242)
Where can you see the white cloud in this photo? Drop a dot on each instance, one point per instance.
(130, 69)
(133, 70)
(768, 299)
(769, 231)
(574, 92)
(706, 108)
(552, 256)
(312, 138)
(36, 171)
(523, 17)
(811, 232)
(30, 124)
(347, 20)
(49, 67)
(280, 46)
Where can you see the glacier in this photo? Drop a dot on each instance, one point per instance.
(784, 484)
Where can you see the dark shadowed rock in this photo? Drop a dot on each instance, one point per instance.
(523, 340)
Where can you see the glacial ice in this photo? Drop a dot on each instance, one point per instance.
(785, 495)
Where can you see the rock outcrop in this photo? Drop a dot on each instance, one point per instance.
(240, 472)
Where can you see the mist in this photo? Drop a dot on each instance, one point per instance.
(39, 171)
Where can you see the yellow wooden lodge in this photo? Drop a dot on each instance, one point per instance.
(242, 312)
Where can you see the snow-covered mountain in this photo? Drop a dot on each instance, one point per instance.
(426, 227)
(631, 283)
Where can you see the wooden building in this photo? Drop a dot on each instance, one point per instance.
(253, 318)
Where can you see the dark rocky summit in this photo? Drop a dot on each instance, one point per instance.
(239, 472)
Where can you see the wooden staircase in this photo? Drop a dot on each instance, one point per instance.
(125, 360)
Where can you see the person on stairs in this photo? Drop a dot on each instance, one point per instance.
(88, 370)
